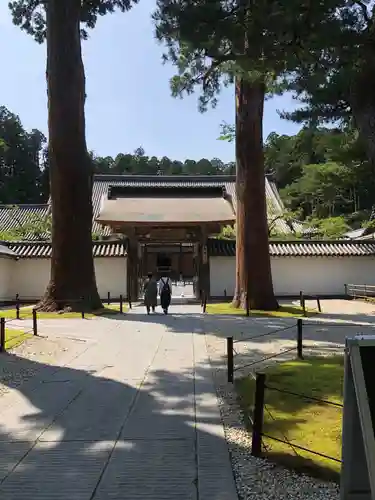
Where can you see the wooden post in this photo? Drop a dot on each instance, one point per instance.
(35, 322)
(17, 306)
(121, 306)
(2, 334)
(299, 339)
(319, 306)
(204, 301)
(230, 361)
(132, 267)
(260, 386)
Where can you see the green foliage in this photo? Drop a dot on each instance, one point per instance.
(213, 42)
(335, 79)
(30, 14)
(141, 164)
(21, 161)
(329, 228)
(228, 233)
(227, 132)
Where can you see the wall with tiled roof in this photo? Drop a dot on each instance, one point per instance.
(42, 249)
(218, 248)
(300, 248)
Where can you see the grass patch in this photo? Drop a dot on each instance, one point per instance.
(288, 311)
(310, 424)
(14, 338)
(26, 313)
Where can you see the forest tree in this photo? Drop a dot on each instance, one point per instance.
(62, 24)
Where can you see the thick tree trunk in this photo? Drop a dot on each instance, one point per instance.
(254, 279)
(362, 101)
(72, 284)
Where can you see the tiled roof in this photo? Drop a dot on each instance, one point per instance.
(300, 248)
(5, 251)
(102, 182)
(15, 216)
(216, 248)
(43, 249)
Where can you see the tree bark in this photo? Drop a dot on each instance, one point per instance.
(362, 101)
(72, 283)
(254, 278)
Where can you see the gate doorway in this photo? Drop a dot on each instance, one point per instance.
(175, 260)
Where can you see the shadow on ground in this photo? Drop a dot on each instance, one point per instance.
(72, 418)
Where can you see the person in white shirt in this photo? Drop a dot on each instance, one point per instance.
(165, 292)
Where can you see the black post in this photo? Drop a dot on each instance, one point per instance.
(109, 298)
(129, 299)
(205, 302)
(35, 322)
(121, 307)
(230, 359)
(83, 307)
(2, 334)
(17, 306)
(319, 306)
(301, 299)
(299, 339)
(346, 290)
(225, 292)
(247, 305)
(256, 443)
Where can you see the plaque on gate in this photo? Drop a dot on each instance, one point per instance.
(358, 435)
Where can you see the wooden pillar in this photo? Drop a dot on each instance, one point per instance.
(180, 262)
(133, 266)
(205, 270)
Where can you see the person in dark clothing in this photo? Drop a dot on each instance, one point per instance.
(165, 291)
(150, 289)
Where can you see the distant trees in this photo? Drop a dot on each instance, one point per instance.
(22, 161)
(140, 164)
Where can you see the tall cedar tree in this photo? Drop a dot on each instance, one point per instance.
(213, 44)
(62, 24)
(338, 83)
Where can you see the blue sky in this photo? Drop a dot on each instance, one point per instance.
(129, 102)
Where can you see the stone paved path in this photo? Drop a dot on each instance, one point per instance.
(132, 414)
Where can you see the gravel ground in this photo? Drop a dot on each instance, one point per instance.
(28, 359)
(258, 479)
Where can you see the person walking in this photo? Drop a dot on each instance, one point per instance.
(150, 288)
(165, 291)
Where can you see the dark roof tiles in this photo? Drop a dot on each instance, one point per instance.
(42, 249)
(300, 248)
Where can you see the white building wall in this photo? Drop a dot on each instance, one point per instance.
(312, 275)
(7, 266)
(29, 277)
(111, 276)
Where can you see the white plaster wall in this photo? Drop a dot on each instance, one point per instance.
(320, 275)
(30, 277)
(6, 269)
(111, 276)
(222, 276)
(312, 275)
